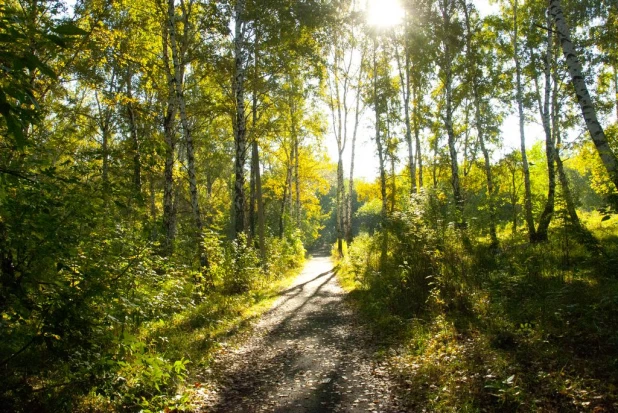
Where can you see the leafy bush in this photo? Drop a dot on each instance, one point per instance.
(283, 253)
(404, 283)
(142, 378)
(242, 266)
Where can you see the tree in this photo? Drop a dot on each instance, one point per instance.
(449, 31)
(520, 108)
(473, 57)
(597, 134)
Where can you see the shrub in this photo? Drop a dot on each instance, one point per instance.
(242, 266)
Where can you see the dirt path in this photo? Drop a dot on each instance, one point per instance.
(307, 354)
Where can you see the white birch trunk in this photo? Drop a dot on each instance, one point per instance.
(608, 157)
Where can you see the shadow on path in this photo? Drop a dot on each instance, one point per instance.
(307, 354)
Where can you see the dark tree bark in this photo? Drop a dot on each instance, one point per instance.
(169, 212)
(240, 122)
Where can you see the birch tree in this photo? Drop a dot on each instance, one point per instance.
(597, 134)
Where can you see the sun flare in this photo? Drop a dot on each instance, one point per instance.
(384, 13)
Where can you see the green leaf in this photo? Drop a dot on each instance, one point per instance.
(14, 127)
(34, 62)
(69, 29)
(56, 40)
(606, 218)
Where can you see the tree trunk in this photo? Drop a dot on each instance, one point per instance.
(340, 209)
(393, 185)
(338, 113)
(239, 120)
(404, 77)
(105, 116)
(255, 158)
(178, 79)
(548, 210)
(105, 155)
(350, 194)
(137, 163)
(616, 90)
(384, 246)
(153, 205)
(252, 196)
(256, 179)
(448, 120)
(169, 216)
(417, 136)
(585, 237)
(520, 106)
(514, 200)
(480, 130)
(169, 212)
(298, 211)
(589, 114)
(284, 200)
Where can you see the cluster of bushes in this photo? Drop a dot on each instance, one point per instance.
(82, 297)
(475, 328)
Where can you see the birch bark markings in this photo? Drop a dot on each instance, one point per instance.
(178, 57)
(240, 122)
(608, 157)
(169, 210)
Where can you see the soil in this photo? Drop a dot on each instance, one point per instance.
(308, 353)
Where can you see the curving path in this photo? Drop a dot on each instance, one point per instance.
(308, 353)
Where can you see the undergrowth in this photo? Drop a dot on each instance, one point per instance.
(149, 336)
(470, 328)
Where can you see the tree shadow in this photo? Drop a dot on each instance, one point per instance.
(308, 361)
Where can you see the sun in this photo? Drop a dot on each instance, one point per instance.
(384, 13)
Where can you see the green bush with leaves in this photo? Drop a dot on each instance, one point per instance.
(144, 379)
(241, 266)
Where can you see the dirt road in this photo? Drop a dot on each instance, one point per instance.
(307, 354)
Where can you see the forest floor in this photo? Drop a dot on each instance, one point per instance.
(308, 353)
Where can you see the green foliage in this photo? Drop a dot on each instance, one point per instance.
(403, 285)
(526, 326)
(285, 253)
(142, 377)
(242, 266)
(368, 216)
(20, 65)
